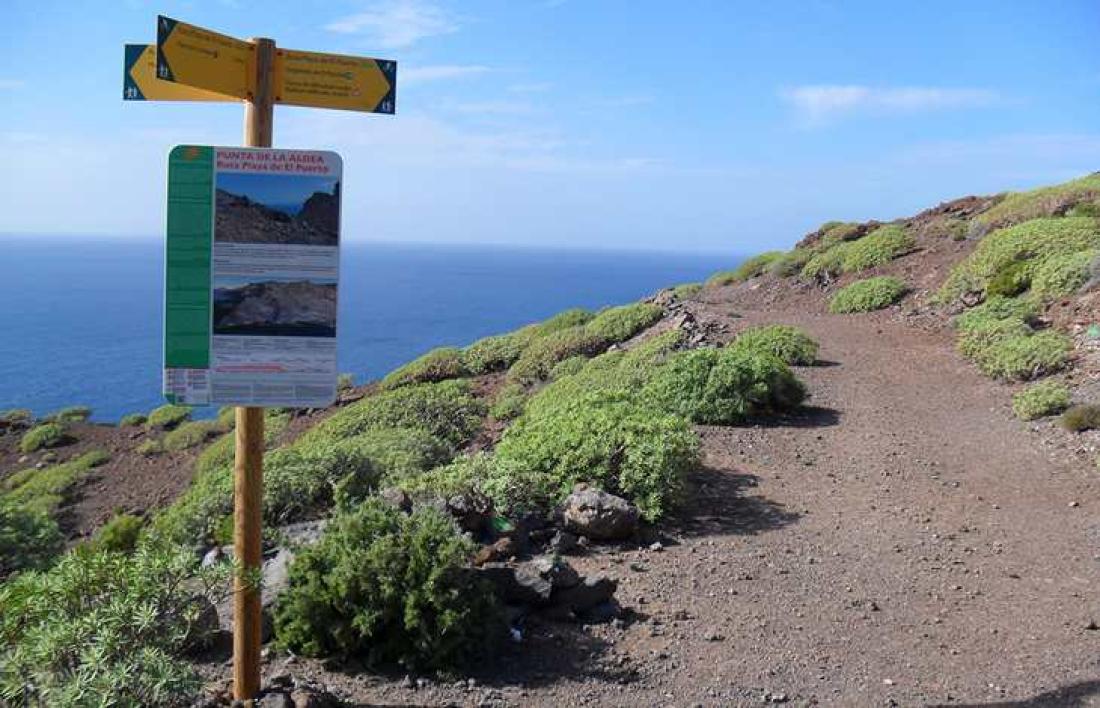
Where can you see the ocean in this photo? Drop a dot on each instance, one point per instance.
(80, 321)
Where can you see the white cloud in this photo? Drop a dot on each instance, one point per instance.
(396, 24)
(11, 83)
(817, 104)
(439, 72)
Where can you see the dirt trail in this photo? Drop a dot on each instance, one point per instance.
(904, 541)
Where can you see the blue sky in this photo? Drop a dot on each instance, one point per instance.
(722, 125)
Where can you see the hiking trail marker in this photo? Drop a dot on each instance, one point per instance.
(190, 63)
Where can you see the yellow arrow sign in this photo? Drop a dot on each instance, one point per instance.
(140, 82)
(335, 81)
(202, 59)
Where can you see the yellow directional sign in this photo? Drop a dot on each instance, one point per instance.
(199, 58)
(140, 82)
(335, 81)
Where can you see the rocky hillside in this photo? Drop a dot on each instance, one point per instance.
(859, 472)
(238, 219)
(276, 308)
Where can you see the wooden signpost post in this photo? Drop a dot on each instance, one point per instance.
(189, 63)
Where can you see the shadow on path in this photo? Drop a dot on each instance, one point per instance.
(717, 502)
(1072, 696)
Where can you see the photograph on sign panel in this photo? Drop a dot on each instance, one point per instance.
(277, 209)
(275, 307)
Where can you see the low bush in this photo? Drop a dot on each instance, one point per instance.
(1081, 417)
(1040, 400)
(72, 414)
(167, 417)
(1062, 275)
(106, 629)
(722, 277)
(345, 382)
(150, 448)
(389, 587)
(192, 433)
(1023, 357)
(608, 439)
(757, 265)
(790, 344)
(566, 319)
(120, 534)
(881, 246)
(17, 416)
(447, 410)
(618, 324)
(791, 263)
(997, 308)
(509, 400)
(43, 436)
(437, 365)
(867, 295)
(29, 539)
(131, 420)
(1030, 243)
(686, 291)
(1023, 206)
(1011, 280)
(44, 489)
(543, 353)
(567, 367)
(723, 386)
(982, 334)
(498, 352)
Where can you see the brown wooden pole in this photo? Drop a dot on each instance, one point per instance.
(248, 468)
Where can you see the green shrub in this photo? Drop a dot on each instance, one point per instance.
(567, 319)
(541, 355)
(120, 534)
(105, 629)
(867, 295)
(790, 344)
(608, 439)
(567, 367)
(446, 410)
(1086, 209)
(686, 291)
(43, 436)
(1062, 275)
(791, 263)
(17, 416)
(723, 386)
(881, 246)
(192, 433)
(1040, 400)
(167, 417)
(150, 448)
(834, 232)
(1023, 206)
(131, 420)
(345, 382)
(498, 352)
(437, 365)
(1011, 280)
(618, 324)
(1081, 417)
(389, 587)
(72, 414)
(509, 400)
(29, 539)
(1030, 243)
(757, 265)
(997, 308)
(982, 334)
(44, 490)
(723, 277)
(1023, 357)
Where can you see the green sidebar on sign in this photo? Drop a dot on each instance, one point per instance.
(251, 275)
